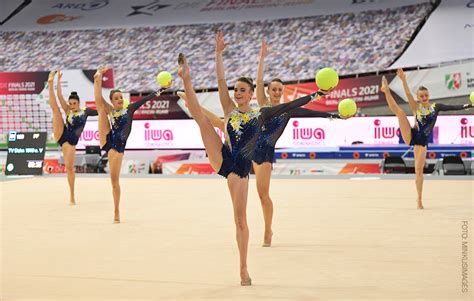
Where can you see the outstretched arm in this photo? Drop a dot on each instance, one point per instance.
(442, 107)
(137, 104)
(99, 100)
(302, 112)
(261, 97)
(269, 112)
(63, 102)
(213, 118)
(411, 100)
(91, 112)
(226, 102)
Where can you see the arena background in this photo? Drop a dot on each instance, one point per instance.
(332, 183)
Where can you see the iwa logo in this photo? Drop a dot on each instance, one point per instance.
(157, 135)
(89, 135)
(467, 131)
(453, 81)
(384, 132)
(307, 136)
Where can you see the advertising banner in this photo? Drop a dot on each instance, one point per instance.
(299, 133)
(93, 14)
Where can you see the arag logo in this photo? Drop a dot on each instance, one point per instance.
(453, 81)
(147, 9)
(89, 5)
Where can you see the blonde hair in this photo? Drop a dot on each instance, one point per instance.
(422, 88)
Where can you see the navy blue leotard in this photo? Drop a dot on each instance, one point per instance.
(121, 124)
(243, 130)
(75, 122)
(274, 127)
(425, 120)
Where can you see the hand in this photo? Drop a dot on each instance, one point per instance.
(384, 87)
(322, 92)
(183, 70)
(100, 71)
(182, 95)
(264, 49)
(59, 74)
(220, 45)
(51, 76)
(401, 74)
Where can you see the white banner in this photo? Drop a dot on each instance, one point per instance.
(76, 80)
(299, 133)
(446, 36)
(95, 14)
(153, 134)
(443, 82)
(314, 132)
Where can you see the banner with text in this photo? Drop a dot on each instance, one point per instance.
(299, 133)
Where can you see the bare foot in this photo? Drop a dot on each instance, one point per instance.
(419, 204)
(117, 217)
(267, 239)
(245, 279)
(72, 201)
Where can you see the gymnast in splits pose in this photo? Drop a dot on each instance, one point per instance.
(115, 125)
(233, 159)
(271, 131)
(425, 119)
(67, 132)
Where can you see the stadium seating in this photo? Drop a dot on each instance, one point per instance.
(351, 43)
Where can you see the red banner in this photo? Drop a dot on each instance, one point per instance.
(22, 82)
(161, 107)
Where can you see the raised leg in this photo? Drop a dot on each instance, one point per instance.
(211, 140)
(405, 127)
(104, 127)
